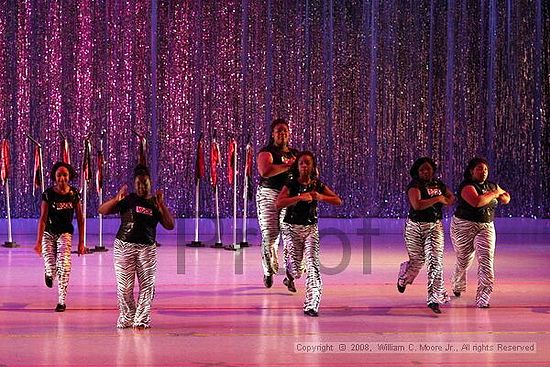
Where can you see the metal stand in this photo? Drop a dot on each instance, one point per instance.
(234, 245)
(218, 243)
(9, 243)
(100, 247)
(244, 242)
(196, 242)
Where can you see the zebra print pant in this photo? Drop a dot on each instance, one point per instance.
(425, 242)
(270, 220)
(302, 243)
(471, 238)
(56, 252)
(133, 259)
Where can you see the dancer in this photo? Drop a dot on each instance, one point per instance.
(424, 237)
(473, 230)
(299, 228)
(135, 251)
(55, 229)
(274, 161)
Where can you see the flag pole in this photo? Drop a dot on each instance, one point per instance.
(234, 244)
(84, 205)
(84, 187)
(218, 243)
(214, 162)
(196, 242)
(40, 162)
(100, 160)
(244, 242)
(5, 156)
(9, 243)
(41, 168)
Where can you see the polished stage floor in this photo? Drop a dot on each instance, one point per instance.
(211, 309)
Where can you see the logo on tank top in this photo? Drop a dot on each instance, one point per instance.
(142, 210)
(433, 191)
(63, 205)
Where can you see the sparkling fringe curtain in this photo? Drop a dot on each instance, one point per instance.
(366, 85)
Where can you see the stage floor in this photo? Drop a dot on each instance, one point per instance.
(211, 309)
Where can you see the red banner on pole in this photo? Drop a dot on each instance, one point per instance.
(231, 166)
(99, 171)
(37, 169)
(5, 164)
(65, 154)
(214, 163)
(87, 162)
(199, 162)
(142, 151)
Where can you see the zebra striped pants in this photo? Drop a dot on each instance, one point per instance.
(56, 252)
(302, 243)
(270, 220)
(471, 238)
(133, 259)
(425, 242)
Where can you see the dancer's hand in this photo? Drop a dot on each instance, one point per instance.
(497, 192)
(315, 195)
(159, 198)
(446, 200)
(288, 161)
(38, 248)
(121, 194)
(306, 196)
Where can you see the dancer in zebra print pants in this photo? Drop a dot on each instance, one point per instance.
(55, 229)
(424, 237)
(135, 252)
(273, 162)
(473, 231)
(300, 231)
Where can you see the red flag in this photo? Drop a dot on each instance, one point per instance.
(87, 162)
(248, 161)
(142, 159)
(99, 171)
(214, 163)
(199, 163)
(37, 169)
(248, 169)
(65, 155)
(5, 164)
(231, 164)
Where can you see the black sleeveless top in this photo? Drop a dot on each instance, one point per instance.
(427, 190)
(139, 218)
(278, 181)
(302, 212)
(60, 210)
(484, 214)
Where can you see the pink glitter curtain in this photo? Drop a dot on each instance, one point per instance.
(75, 67)
(367, 85)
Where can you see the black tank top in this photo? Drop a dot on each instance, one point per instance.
(302, 212)
(60, 210)
(139, 218)
(427, 190)
(278, 181)
(484, 214)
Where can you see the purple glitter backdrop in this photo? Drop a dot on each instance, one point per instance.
(367, 85)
